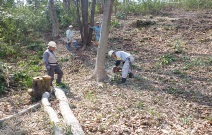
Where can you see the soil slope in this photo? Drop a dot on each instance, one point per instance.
(170, 94)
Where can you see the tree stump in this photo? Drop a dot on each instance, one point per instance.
(40, 85)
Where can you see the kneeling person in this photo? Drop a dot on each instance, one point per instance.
(70, 38)
(127, 59)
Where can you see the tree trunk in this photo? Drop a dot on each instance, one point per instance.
(36, 5)
(52, 114)
(66, 5)
(78, 19)
(54, 19)
(99, 71)
(115, 6)
(91, 20)
(84, 4)
(67, 114)
(126, 5)
(100, 6)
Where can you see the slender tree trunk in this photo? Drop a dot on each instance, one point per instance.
(99, 71)
(91, 20)
(66, 5)
(115, 7)
(54, 19)
(100, 6)
(78, 19)
(126, 3)
(36, 5)
(84, 4)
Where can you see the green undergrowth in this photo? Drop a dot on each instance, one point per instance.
(18, 68)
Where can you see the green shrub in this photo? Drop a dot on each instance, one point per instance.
(23, 79)
(115, 23)
(4, 76)
(121, 15)
(6, 50)
(142, 6)
(196, 4)
(166, 59)
(36, 46)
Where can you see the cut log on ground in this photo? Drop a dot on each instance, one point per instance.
(52, 114)
(67, 114)
(35, 106)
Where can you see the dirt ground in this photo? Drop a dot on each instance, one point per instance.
(171, 93)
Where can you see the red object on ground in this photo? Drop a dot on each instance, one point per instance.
(116, 69)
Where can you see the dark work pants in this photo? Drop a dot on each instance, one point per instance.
(58, 71)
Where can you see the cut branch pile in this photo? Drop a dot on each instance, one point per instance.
(21, 112)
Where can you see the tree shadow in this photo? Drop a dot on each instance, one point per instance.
(188, 92)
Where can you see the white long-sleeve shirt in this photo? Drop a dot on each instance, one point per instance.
(69, 34)
(121, 55)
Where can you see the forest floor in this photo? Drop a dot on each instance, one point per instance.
(170, 94)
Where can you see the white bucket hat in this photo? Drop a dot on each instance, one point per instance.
(70, 26)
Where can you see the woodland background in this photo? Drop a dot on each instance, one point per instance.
(171, 41)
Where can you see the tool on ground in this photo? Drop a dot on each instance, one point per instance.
(117, 69)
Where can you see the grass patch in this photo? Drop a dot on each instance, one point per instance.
(138, 77)
(155, 113)
(179, 73)
(178, 47)
(139, 105)
(196, 62)
(187, 120)
(164, 60)
(90, 96)
(116, 78)
(114, 24)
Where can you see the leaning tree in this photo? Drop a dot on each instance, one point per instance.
(99, 71)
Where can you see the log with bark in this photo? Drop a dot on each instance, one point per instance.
(52, 114)
(67, 113)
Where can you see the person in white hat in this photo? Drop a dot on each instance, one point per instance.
(70, 38)
(126, 59)
(97, 29)
(50, 61)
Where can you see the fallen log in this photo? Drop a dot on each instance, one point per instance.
(67, 114)
(21, 112)
(52, 114)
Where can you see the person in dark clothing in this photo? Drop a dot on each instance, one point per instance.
(51, 64)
